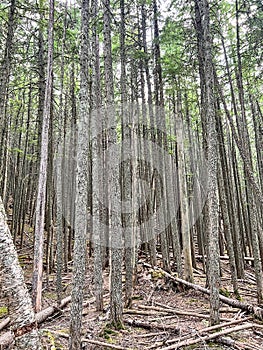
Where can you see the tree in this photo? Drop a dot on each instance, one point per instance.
(113, 181)
(41, 197)
(80, 224)
(5, 68)
(20, 307)
(208, 106)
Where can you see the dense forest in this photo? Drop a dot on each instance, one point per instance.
(131, 174)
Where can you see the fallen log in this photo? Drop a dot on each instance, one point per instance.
(41, 316)
(255, 310)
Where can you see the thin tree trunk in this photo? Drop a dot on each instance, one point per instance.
(183, 194)
(115, 228)
(41, 197)
(97, 164)
(4, 82)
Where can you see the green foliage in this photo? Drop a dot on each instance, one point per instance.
(3, 311)
(237, 295)
(225, 292)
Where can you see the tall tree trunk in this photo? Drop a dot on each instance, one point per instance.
(97, 164)
(202, 14)
(80, 249)
(183, 194)
(4, 82)
(41, 196)
(113, 182)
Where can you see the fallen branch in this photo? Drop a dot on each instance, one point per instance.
(222, 309)
(105, 345)
(143, 313)
(209, 329)
(85, 340)
(4, 323)
(229, 342)
(224, 257)
(255, 310)
(146, 325)
(208, 337)
(162, 318)
(177, 312)
(41, 316)
(148, 335)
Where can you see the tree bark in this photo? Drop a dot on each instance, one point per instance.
(80, 249)
(23, 322)
(202, 13)
(41, 196)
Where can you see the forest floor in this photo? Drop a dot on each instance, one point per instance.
(160, 316)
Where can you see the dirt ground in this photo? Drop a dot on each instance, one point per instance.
(161, 313)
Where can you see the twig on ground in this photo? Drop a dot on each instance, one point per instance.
(177, 312)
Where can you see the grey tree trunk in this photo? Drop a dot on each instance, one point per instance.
(20, 307)
(41, 197)
(4, 82)
(183, 194)
(208, 106)
(114, 185)
(80, 249)
(97, 163)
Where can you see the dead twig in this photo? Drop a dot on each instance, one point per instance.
(177, 312)
(146, 325)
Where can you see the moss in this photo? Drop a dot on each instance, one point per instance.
(63, 330)
(115, 325)
(111, 341)
(193, 300)
(137, 297)
(50, 295)
(3, 311)
(54, 344)
(51, 340)
(157, 274)
(107, 331)
(119, 325)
